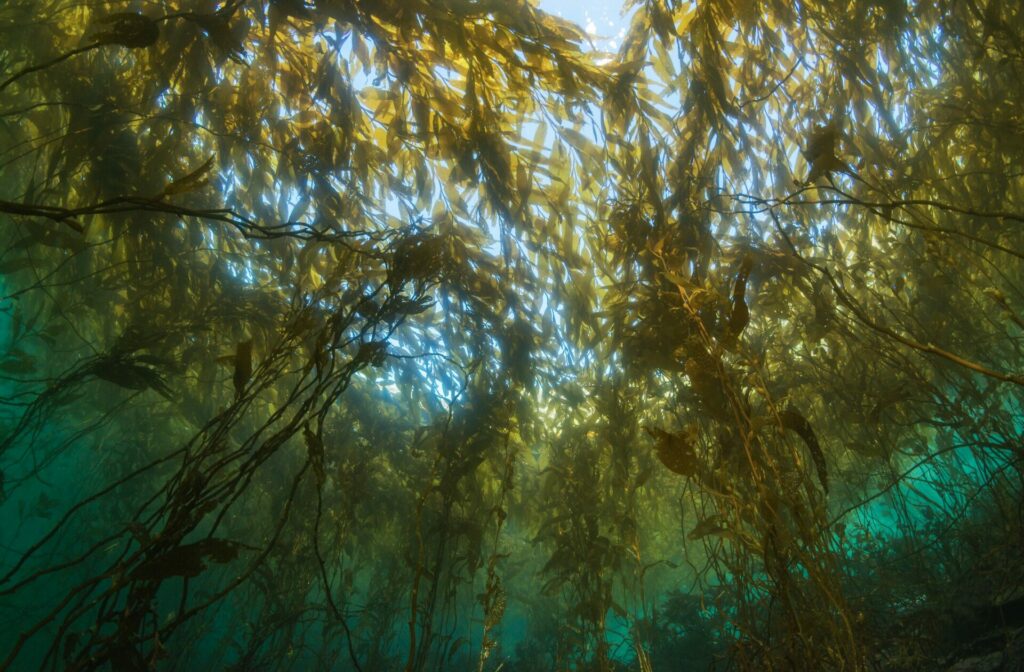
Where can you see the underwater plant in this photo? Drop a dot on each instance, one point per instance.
(448, 335)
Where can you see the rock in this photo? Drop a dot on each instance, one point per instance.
(992, 662)
(1014, 661)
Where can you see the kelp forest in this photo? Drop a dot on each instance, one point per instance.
(425, 335)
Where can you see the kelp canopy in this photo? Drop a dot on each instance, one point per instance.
(421, 335)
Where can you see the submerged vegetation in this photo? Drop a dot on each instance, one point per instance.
(422, 335)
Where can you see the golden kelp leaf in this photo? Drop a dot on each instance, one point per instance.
(373, 352)
(793, 420)
(128, 29)
(243, 366)
(703, 369)
(714, 524)
(194, 180)
(315, 450)
(406, 306)
(739, 317)
(674, 451)
(821, 152)
(226, 38)
(296, 9)
(188, 560)
(416, 257)
(131, 375)
(50, 237)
